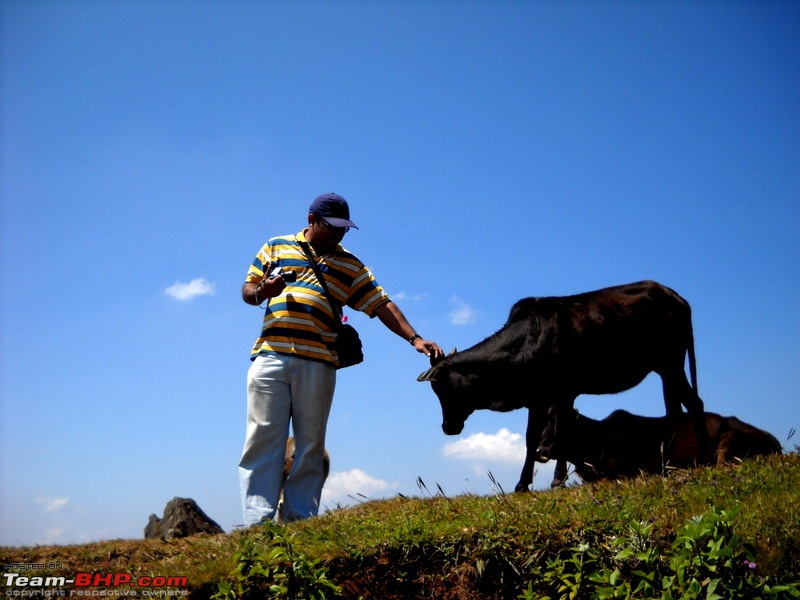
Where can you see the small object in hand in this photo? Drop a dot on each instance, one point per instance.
(288, 276)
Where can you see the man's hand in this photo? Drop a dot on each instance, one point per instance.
(256, 292)
(428, 348)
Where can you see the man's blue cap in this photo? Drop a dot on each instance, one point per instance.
(333, 208)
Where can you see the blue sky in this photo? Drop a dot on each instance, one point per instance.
(489, 150)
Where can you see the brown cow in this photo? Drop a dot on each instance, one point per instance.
(624, 444)
(287, 468)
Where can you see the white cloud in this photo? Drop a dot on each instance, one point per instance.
(52, 504)
(188, 291)
(462, 314)
(345, 487)
(503, 446)
(406, 297)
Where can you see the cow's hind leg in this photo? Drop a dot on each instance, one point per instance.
(677, 392)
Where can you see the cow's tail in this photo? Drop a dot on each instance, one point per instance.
(692, 360)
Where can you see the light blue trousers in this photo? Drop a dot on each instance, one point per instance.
(281, 389)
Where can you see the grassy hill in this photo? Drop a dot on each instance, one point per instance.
(731, 532)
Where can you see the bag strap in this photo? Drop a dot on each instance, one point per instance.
(321, 279)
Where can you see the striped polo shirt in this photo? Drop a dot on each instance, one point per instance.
(299, 321)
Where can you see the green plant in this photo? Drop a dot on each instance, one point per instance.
(633, 566)
(268, 566)
(711, 561)
(706, 560)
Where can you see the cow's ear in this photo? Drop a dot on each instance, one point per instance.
(429, 375)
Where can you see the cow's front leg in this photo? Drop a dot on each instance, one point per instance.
(526, 477)
(560, 474)
(533, 435)
(563, 436)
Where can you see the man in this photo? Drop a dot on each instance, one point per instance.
(293, 370)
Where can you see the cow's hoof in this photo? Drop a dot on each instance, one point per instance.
(557, 483)
(521, 487)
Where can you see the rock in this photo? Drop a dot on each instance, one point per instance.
(182, 518)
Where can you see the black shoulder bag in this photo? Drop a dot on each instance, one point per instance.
(348, 344)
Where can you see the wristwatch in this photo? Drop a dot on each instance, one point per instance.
(413, 337)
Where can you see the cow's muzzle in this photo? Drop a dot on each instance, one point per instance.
(452, 428)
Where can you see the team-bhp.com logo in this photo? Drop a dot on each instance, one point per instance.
(23, 585)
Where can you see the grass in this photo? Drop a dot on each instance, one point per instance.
(502, 546)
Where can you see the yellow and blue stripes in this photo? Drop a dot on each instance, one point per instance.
(300, 321)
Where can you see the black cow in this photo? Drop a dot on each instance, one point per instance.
(624, 444)
(551, 350)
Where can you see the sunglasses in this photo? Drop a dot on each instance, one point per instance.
(332, 227)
